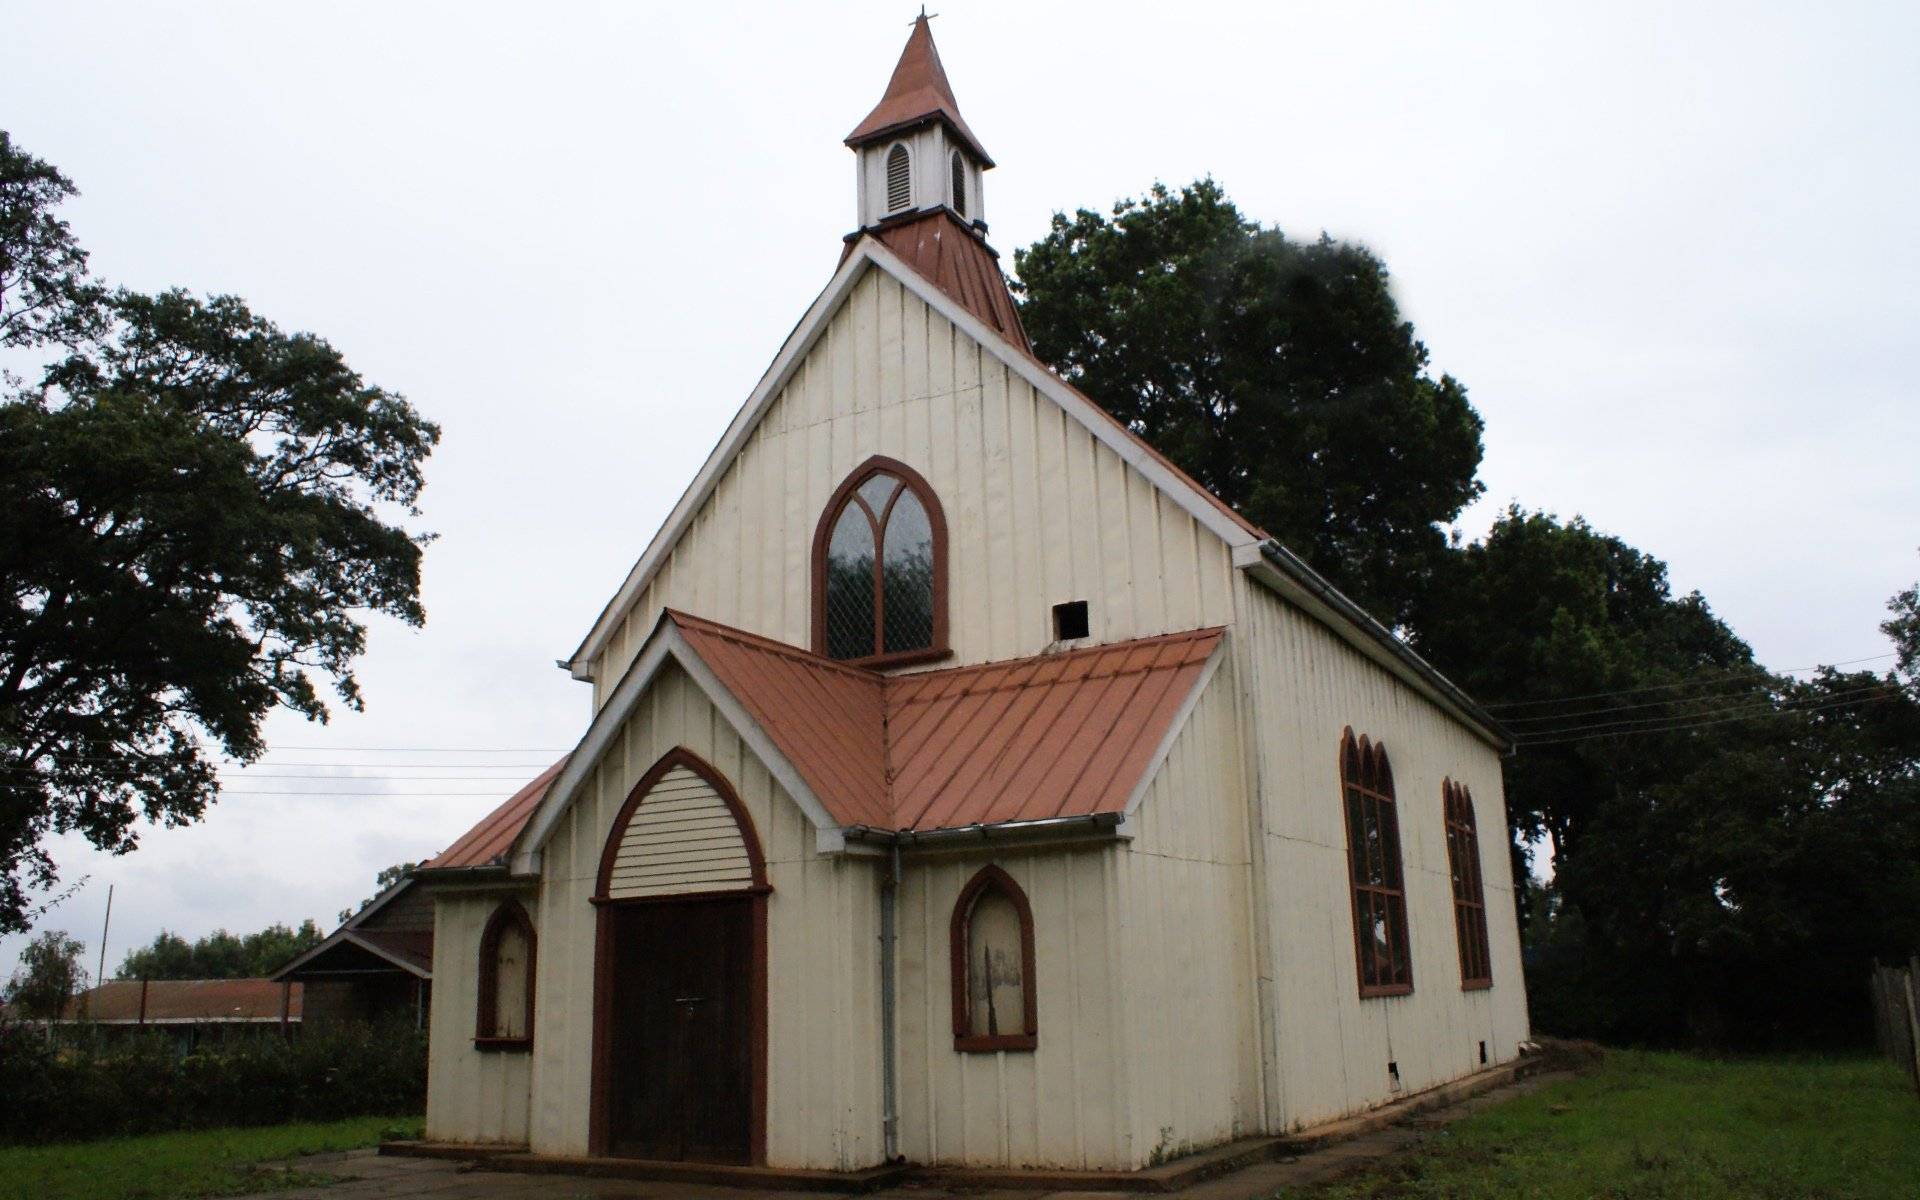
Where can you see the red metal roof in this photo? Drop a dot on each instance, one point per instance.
(487, 842)
(1067, 734)
(185, 1001)
(917, 92)
(1055, 735)
(955, 258)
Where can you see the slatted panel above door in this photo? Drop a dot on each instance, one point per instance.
(682, 838)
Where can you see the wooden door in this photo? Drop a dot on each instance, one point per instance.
(679, 1047)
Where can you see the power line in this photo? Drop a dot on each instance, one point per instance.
(1726, 679)
(1681, 726)
(1743, 706)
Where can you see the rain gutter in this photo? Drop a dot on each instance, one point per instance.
(1295, 571)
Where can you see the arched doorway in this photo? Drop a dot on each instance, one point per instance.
(680, 1006)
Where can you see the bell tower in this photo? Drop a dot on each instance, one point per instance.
(915, 153)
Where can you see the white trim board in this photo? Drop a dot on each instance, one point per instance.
(665, 643)
(869, 253)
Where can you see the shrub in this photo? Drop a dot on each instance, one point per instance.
(113, 1086)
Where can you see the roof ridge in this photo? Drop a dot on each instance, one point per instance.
(770, 645)
(945, 673)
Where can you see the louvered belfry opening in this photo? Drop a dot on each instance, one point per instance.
(899, 179)
(959, 184)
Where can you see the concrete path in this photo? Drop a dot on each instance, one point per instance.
(365, 1175)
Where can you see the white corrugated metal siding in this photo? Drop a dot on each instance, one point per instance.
(823, 1076)
(1184, 890)
(1063, 1104)
(1306, 685)
(1038, 512)
(472, 1095)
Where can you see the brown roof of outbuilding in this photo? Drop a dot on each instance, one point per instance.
(185, 1001)
(486, 843)
(955, 258)
(918, 92)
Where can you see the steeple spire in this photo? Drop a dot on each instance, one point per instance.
(918, 93)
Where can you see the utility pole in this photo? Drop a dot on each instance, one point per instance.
(106, 923)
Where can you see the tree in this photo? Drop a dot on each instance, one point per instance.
(48, 976)
(201, 509)
(387, 877)
(1711, 823)
(45, 293)
(1278, 373)
(1904, 628)
(221, 955)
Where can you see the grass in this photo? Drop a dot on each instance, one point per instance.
(175, 1166)
(1644, 1126)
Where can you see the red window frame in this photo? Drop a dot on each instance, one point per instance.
(848, 493)
(1469, 896)
(486, 1017)
(1375, 872)
(991, 879)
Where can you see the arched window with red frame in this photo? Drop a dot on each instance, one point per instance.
(880, 568)
(1374, 869)
(1469, 898)
(994, 1006)
(505, 1017)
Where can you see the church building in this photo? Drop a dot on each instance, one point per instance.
(966, 784)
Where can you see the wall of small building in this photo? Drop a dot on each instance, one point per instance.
(1186, 951)
(473, 1095)
(1304, 685)
(1018, 478)
(823, 1073)
(1062, 1104)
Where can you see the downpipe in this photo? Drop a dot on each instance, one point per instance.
(889, 940)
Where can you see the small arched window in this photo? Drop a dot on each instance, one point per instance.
(1374, 869)
(879, 568)
(959, 184)
(505, 1019)
(1469, 899)
(899, 178)
(992, 954)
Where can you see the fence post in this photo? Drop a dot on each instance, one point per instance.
(1913, 1023)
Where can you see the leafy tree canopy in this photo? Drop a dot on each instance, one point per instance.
(221, 955)
(1712, 824)
(201, 508)
(1278, 373)
(48, 976)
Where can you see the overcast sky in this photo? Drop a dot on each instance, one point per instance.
(1671, 251)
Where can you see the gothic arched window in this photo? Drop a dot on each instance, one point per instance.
(1374, 869)
(505, 1019)
(959, 184)
(992, 955)
(1469, 898)
(879, 568)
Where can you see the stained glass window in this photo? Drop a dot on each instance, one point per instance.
(1373, 851)
(880, 577)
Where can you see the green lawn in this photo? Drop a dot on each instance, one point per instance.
(1652, 1126)
(173, 1166)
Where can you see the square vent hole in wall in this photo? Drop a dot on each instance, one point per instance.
(1070, 620)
